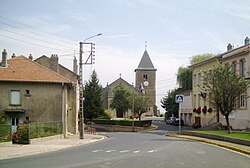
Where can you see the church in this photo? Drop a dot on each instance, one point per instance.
(145, 82)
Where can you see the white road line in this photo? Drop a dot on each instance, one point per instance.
(151, 151)
(124, 151)
(96, 151)
(110, 151)
(137, 151)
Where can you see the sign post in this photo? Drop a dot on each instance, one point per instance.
(179, 99)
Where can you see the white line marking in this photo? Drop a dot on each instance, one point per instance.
(124, 151)
(96, 151)
(137, 151)
(151, 151)
(110, 151)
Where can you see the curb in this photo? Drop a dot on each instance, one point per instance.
(213, 143)
(150, 129)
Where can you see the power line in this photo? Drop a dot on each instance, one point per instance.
(34, 38)
(30, 43)
(43, 35)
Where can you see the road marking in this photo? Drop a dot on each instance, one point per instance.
(151, 151)
(124, 151)
(110, 151)
(96, 151)
(137, 151)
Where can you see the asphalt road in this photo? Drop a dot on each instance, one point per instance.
(135, 150)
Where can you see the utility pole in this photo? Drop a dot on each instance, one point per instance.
(81, 98)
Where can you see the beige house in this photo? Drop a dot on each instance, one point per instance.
(30, 90)
(240, 59)
(200, 98)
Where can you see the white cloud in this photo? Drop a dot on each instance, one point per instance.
(239, 10)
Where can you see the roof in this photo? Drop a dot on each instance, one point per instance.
(22, 69)
(145, 63)
(47, 58)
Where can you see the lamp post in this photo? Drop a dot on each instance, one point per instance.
(81, 98)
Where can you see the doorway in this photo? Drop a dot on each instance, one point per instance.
(14, 123)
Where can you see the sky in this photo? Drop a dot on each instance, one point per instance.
(174, 31)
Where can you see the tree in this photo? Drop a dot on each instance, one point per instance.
(139, 103)
(200, 57)
(93, 106)
(120, 102)
(184, 78)
(168, 103)
(226, 87)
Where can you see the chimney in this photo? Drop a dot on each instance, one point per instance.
(246, 41)
(4, 58)
(229, 47)
(75, 65)
(30, 57)
(54, 63)
(13, 55)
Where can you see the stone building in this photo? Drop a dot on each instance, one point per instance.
(30, 90)
(145, 81)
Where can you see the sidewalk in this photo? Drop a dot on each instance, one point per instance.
(47, 144)
(236, 147)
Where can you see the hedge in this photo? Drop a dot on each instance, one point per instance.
(144, 123)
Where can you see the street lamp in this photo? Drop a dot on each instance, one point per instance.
(81, 98)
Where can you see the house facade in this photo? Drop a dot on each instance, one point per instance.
(201, 102)
(31, 91)
(239, 59)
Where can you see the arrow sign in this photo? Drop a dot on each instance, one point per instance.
(179, 98)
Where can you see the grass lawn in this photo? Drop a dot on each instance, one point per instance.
(225, 133)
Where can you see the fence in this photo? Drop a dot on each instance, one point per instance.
(36, 130)
(44, 129)
(5, 132)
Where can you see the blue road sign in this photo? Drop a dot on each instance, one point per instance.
(179, 98)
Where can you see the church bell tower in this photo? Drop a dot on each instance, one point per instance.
(145, 81)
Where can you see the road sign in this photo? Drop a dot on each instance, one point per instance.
(179, 98)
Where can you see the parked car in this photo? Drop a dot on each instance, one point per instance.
(170, 120)
(176, 122)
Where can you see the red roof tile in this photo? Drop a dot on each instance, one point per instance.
(23, 69)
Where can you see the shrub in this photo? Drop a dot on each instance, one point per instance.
(123, 122)
(22, 135)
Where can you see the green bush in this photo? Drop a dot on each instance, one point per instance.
(144, 123)
(5, 132)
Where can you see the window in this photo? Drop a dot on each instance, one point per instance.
(234, 65)
(242, 100)
(242, 67)
(15, 97)
(199, 78)
(145, 77)
(195, 80)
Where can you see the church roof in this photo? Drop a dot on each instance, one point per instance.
(145, 63)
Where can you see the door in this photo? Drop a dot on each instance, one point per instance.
(14, 123)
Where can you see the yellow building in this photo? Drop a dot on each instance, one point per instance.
(203, 111)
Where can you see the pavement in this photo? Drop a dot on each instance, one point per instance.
(232, 146)
(46, 144)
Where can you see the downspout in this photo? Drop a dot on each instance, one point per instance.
(63, 112)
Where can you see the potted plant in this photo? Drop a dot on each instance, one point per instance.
(194, 110)
(210, 110)
(204, 110)
(198, 110)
